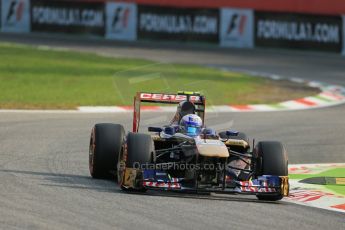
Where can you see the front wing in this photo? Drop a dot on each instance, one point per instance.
(160, 180)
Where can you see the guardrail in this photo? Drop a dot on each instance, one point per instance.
(224, 26)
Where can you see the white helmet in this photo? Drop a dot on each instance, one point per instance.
(191, 125)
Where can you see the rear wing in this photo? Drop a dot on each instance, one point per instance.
(162, 98)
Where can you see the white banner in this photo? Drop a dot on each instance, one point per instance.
(236, 28)
(121, 21)
(15, 16)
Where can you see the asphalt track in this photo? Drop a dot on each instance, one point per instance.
(44, 176)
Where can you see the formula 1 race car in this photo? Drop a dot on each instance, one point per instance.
(187, 156)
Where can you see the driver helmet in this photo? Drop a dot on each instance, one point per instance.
(191, 125)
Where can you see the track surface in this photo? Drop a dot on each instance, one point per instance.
(44, 176)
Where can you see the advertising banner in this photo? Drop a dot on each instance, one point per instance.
(299, 31)
(67, 17)
(178, 24)
(121, 21)
(236, 28)
(15, 16)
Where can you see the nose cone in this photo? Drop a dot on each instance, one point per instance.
(211, 148)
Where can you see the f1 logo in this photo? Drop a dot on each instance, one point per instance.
(236, 24)
(120, 19)
(15, 12)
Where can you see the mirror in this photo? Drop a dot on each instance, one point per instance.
(155, 129)
(231, 133)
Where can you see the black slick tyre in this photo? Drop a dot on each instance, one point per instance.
(272, 160)
(105, 145)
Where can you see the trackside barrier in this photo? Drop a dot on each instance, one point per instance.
(67, 17)
(243, 25)
(298, 31)
(178, 24)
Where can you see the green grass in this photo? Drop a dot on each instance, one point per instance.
(337, 172)
(36, 78)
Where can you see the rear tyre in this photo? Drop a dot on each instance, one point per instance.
(105, 145)
(272, 160)
(140, 149)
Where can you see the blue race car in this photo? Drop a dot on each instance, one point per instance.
(186, 156)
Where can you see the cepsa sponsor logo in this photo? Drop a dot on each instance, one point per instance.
(15, 12)
(168, 97)
(67, 16)
(177, 24)
(298, 31)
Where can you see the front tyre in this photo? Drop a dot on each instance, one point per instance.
(140, 149)
(272, 160)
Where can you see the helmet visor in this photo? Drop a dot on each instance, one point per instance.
(193, 131)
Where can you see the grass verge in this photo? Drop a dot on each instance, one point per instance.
(337, 172)
(32, 78)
